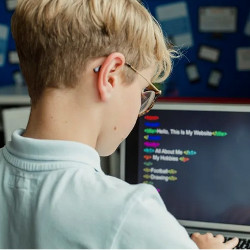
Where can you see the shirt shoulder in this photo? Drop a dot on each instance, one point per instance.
(130, 216)
(140, 218)
(146, 223)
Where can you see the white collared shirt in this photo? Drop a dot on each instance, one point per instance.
(53, 194)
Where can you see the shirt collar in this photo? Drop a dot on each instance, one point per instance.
(52, 150)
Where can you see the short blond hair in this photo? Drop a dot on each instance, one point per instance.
(56, 38)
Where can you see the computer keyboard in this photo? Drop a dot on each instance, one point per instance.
(243, 243)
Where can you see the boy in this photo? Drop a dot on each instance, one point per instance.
(87, 64)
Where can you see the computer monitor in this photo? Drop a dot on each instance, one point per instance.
(14, 118)
(197, 156)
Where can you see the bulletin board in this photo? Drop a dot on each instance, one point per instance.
(215, 61)
(9, 67)
(216, 57)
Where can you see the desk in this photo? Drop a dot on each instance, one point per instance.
(12, 95)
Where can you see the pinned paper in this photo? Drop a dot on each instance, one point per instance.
(215, 78)
(243, 59)
(175, 21)
(11, 4)
(18, 79)
(247, 27)
(4, 33)
(192, 73)
(218, 19)
(208, 53)
(13, 57)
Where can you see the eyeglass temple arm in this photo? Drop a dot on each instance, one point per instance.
(97, 69)
(152, 85)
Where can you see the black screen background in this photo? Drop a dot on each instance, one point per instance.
(214, 186)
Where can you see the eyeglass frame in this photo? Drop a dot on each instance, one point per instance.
(156, 90)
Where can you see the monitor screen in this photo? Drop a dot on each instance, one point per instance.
(198, 158)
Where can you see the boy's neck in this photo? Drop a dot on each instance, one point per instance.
(58, 116)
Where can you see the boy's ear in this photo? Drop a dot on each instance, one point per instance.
(109, 74)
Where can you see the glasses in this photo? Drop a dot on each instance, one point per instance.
(148, 96)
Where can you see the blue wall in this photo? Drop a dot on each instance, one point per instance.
(234, 83)
(8, 69)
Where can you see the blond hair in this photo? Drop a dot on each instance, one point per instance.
(56, 38)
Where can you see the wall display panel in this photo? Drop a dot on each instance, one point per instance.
(8, 58)
(191, 26)
(217, 59)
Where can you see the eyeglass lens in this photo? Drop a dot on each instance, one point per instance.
(147, 98)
